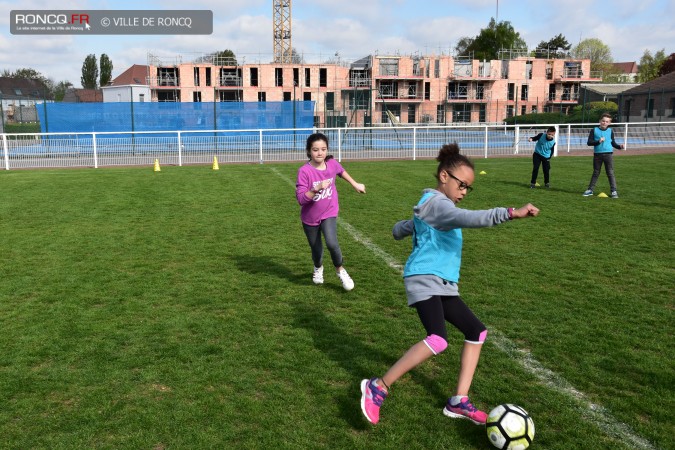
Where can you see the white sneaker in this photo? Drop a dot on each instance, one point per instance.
(317, 276)
(347, 281)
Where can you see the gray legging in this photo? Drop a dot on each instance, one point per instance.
(327, 227)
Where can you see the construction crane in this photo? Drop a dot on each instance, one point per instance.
(281, 30)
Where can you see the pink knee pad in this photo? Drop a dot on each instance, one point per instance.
(483, 336)
(436, 343)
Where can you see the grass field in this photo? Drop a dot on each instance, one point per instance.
(175, 310)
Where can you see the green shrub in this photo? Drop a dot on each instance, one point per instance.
(33, 127)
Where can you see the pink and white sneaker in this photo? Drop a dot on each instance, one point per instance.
(371, 400)
(465, 410)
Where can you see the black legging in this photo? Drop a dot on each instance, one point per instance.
(537, 159)
(436, 310)
(327, 227)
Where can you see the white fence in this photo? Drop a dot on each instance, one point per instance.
(45, 150)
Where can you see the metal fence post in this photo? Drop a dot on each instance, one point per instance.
(485, 143)
(5, 151)
(414, 143)
(260, 144)
(93, 143)
(625, 136)
(180, 148)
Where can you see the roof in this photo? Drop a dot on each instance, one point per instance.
(663, 83)
(83, 95)
(136, 74)
(21, 88)
(609, 89)
(626, 67)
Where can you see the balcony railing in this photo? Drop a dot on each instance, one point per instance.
(230, 80)
(166, 80)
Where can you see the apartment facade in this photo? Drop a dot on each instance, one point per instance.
(383, 89)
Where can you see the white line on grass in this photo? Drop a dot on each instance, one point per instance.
(588, 410)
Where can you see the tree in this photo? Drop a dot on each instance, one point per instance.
(490, 40)
(106, 70)
(60, 90)
(463, 44)
(89, 72)
(649, 66)
(220, 58)
(595, 50)
(556, 47)
(668, 65)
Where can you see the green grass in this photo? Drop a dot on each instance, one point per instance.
(175, 309)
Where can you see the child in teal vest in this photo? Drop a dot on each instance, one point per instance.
(543, 152)
(431, 276)
(601, 138)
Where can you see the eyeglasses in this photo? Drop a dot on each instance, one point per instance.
(462, 184)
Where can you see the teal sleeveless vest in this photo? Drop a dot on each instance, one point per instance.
(434, 252)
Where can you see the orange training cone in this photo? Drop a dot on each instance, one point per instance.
(215, 164)
(157, 168)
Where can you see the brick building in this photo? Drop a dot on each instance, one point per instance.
(382, 89)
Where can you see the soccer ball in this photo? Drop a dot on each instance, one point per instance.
(510, 427)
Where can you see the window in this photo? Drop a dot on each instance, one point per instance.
(480, 91)
(359, 99)
(523, 110)
(278, 77)
(330, 101)
(672, 107)
(208, 76)
(437, 68)
(307, 96)
(196, 96)
(307, 77)
(440, 113)
(287, 96)
(427, 90)
(482, 110)
(262, 97)
(141, 98)
(511, 91)
(17, 91)
(411, 113)
(461, 112)
(388, 67)
(296, 76)
(509, 111)
(524, 91)
(650, 108)
(254, 76)
(323, 77)
(196, 76)
(551, 91)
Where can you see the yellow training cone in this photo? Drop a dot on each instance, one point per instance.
(157, 168)
(602, 195)
(482, 172)
(537, 184)
(215, 164)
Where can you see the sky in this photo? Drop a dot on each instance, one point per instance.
(351, 29)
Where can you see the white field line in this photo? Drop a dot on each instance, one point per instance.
(588, 410)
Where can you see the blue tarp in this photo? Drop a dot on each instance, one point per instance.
(172, 116)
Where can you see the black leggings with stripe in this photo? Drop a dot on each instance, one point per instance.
(435, 311)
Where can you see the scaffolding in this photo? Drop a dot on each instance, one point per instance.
(281, 30)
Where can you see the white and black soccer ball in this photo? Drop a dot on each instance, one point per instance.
(510, 427)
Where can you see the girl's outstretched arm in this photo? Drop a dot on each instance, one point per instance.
(360, 187)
